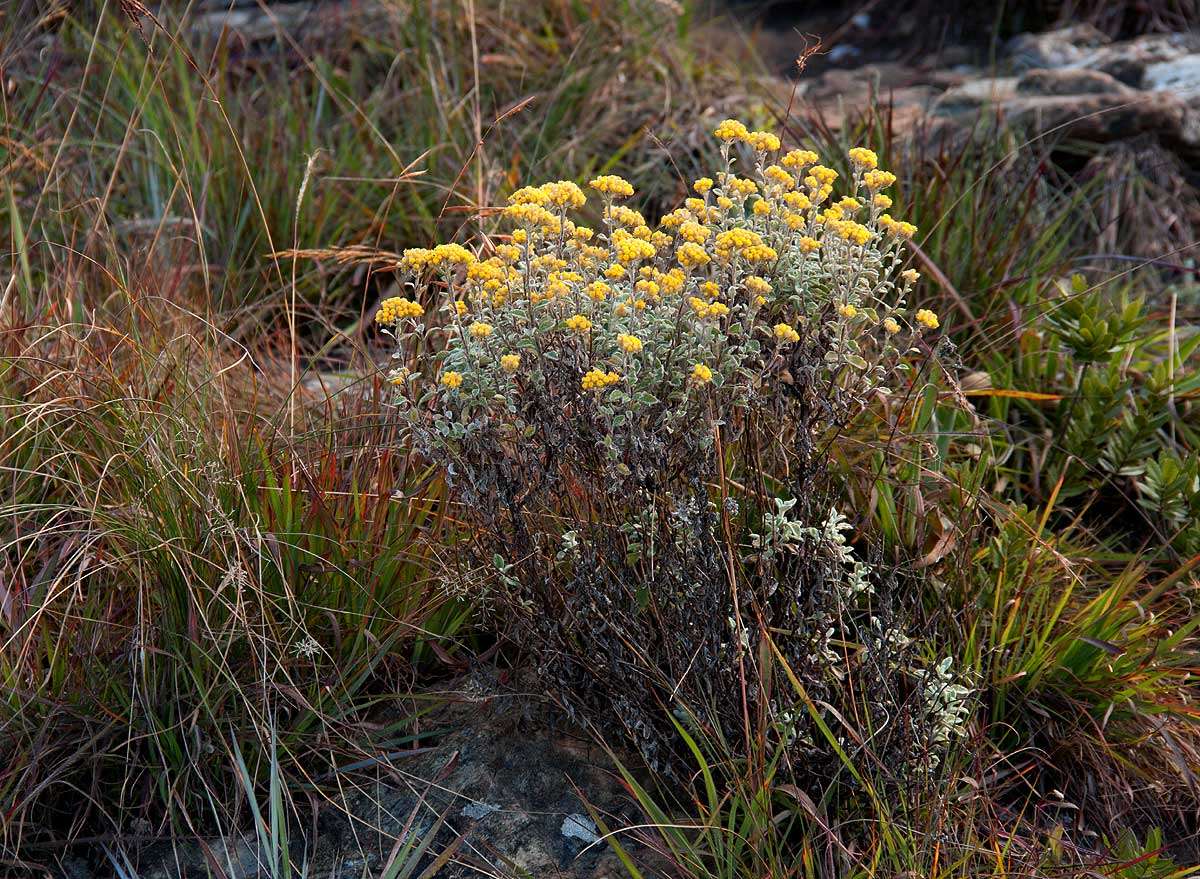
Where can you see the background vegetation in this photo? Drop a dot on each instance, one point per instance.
(221, 576)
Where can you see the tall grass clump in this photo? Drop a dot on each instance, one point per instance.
(178, 141)
(187, 572)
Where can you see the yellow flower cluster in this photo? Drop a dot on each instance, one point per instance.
(528, 213)
(799, 159)
(744, 242)
(628, 343)
(444, 255)
(708, 309)
(397, 308)
(597, 379)
(630, 249)
(564, 194)
(756, 253)
(741, 186)
(899, 228)
(694, 232)
(611, 184)
(855, 233)
(692, 255)
(875, 180)
(864, 158)
(625, 216)
(597, 291)
(786, 333)
(578, 323)
(758, 285)
(731, 130)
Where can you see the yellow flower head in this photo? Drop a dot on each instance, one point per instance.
(864, 158)
(824, 176)
(808, 245)
(927, 319)
(450, 255)
(415, 258)
(694, 232)
(855, 233)
(510, 362)
(527, 213)
(529, 195)
(508, 253)
(629, 344)
(875, 180)
(797, 201)
(611, 184)
(397, 308)
(701, 374)
(786, 333)
(597, 291)
(597, 379)
(763, 141)
(564, 194)
(910, 276)
(708, 309)
(730, 130)
(647, 288)
(625, 216)
(630, 247)
(847, 310)
(798, 159)
(452, 379)
(578, 323)
(703, 185)
(762, 207)
(881, 201)
(755, 284)
(741, 186)
(691, 255)
(776, 174)
(891, 326)
(480, 330)
(899, 228)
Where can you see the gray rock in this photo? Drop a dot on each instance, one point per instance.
(1070, 81)
(1067, 47)
(1180, 77)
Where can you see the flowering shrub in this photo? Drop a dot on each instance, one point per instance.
(617, 409)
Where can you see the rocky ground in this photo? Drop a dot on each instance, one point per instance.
(501, 793)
